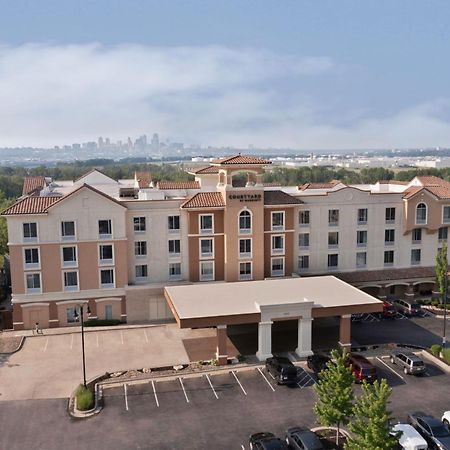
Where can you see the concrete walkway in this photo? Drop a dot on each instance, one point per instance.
(50, 365)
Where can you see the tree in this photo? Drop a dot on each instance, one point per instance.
(334, 390)
(441, 270)
(370, 427)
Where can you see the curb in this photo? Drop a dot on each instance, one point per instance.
(437, 361)
(19, 347)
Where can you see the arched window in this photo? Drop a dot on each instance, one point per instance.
(421, 213)
(245, 222)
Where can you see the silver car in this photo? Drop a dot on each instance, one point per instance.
(411, 363)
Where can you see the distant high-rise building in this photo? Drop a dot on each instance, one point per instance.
(155, 143)
(100, 142)
(107, 141)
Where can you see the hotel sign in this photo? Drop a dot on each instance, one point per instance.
(246, 197)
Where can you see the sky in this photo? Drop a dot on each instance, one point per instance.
(303, 74)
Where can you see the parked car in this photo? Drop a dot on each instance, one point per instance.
(433, 430)
(299, 438)
(389, 310)
(282, 370)
(362, 368)
(411, 363)
(410, 438)
(407, 307)
(317, 362)
(266, 441)
(446, 418)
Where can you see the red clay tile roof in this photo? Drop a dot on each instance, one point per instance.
(280, 198)
(31, 184)
(31, 205)
(205, 200)
(178, 185)
(442, 192)
(240, 159)
(207, 170)
(411, 191)
(144, 179)
(329, 185)
(431, 181)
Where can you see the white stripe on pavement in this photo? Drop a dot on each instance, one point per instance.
(240, 385)
(390, 368)
(184, 390)
(267, 381)
(212, 387)
(121, 335)
(126, 397)
(71, 341)
(45, 346)
(146, 337)
(154, 391)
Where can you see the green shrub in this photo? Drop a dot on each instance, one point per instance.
(102, 322)
(84, 398)
(436, 350)
(435, 302)
(446, 355)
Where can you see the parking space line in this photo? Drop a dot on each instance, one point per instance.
(267, 381)
(146, 337)
(242, 447)
(184, 390)
(45, 346)
(212, 387)
(121, 336)
(97, 338)
(154, 391)
(126, 397)
(237, 379)
(390, 368)
(71, 341)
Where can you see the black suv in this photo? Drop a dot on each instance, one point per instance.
(282, 370)
(317, 362)
(433, 430)
(266, 441)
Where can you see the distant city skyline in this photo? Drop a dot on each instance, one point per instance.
(298, 74)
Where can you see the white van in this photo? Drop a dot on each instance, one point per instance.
(410, 438)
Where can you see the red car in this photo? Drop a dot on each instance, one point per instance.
(362, 368)
(389, 311)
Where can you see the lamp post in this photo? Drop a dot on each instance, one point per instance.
(444, 337)
(75, 315)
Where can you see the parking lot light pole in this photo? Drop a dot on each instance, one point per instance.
(82, 338)
(444, 338)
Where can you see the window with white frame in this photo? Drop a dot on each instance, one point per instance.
(416, 235)
(303, 262)
(31, 257)
(245, 270)
(206, 248)
(333, 261)
(106, 278)
(140, 248)
(303, 240)
(69, 256)
(333, 217)
(33, 283)
(421, 213)
(245, 248)
(389, 237)
(30, 232)
(206, 270)
(277, 267)
(70, 281)
(245, 222)
(390, 215)
(333, 239)
(68, 230)
(443, 234)
(174, 247)
(361, 259)
(362, 216)
(141, 271)
(173, 223)
(361, 238)
(389, 257)
(106, 253)
(304, 218)
(278, 221)
(174, 270)
(446, 214)
(105, 229)
(277, 244)
(70, 315)
(415, 256)
(206, 223)
(139, 224)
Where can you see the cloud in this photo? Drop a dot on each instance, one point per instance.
(51, 94)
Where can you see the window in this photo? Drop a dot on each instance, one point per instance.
(390, 215)
(70, 315)
(140, 248)
(245, 271)
(333, 239)
(303, 240)
(105, 254)
(277, 268)
(30, 231)
(68, 230)
(70, 281)
(278, 221)
(389, 257)
(421, 213)
(107, 278)
(245, 248)
(361, 259)
(303, 218)
(69, 256)
(446, 214)
(245, 222)
(207, 271)
(389, 237)
(362, 216)
(303, 262)
(415, 256)
(31, 257)
(174, 247)
(141, 271)
(333, 261)
(443, 234)
(206, 248)
(416, 236)
(277, 244)
(108, 312)
(361, 238)
(173, 223)
(139, 224)
(33, 281)
(174, 270)
(333, 217)
(104, 228)
(206, 223)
